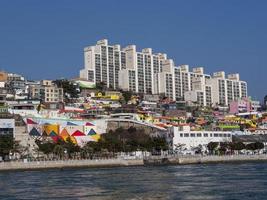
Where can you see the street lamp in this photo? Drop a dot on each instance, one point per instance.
(10, 155)
(65, 153)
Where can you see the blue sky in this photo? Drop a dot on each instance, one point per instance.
(45, 39)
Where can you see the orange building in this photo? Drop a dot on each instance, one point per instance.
(3, 76)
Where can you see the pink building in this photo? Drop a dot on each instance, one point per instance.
(241, 106)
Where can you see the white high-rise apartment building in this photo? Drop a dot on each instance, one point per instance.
(102, 63)
(216, 90)
(145, 72)
(201, 92)
(164, 80)
(225, 90)
(185, 80)
(138, 74)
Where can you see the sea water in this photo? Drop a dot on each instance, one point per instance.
(209, 181)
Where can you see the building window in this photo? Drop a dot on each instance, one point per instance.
(206, 135)
(192, 135)
(199, 135)
(186, 135)
(181, 135)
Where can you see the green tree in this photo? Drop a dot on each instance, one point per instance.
(132, 130)
(212, 146)
(224, 146)
(259, 145)
(254, 146)
(70, 90)
(46, 147)
(89, 149)
(127, 95)
(7, 144)
(71, 147)
(101, 86)
(59, 150)
(238, 146)
(127, 140)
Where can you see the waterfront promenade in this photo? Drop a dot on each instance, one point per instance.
(59, 164)
(200, 159)
(120, 162)
(216, 159)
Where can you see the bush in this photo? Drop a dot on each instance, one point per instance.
(254, 146)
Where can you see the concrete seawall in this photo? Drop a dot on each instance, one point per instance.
(59, 164)
(155, 160)
(182, 160)
(216, 159)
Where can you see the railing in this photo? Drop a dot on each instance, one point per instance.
(137, 122)
(65, 160)
(204, 156)
(59, 164)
